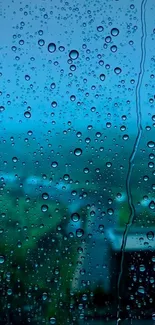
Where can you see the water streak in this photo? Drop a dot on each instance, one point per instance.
(134, 151)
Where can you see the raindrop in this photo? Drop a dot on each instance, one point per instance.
(54, 164)
(117, 70)
(27, 77)
(150, 235)
(2, 259)
(27, 114)
(153, 316)
(142, 268)
(51, 47)
(79, 233)
(52, 321)
(9, 292)
(54, 104)
(151, 144)
(141, 289)
(78, 152)
(100, 28)
(73, 54)
(44, 296)
(125, 137)
(45, 196)
(14, 159)
(114, 31)
(152, 205)
(113, 48)
(44, 208)
(75, 217)
(41, 42)
(2, 109)
(102, 76)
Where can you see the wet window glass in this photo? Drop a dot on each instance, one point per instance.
(77, 162)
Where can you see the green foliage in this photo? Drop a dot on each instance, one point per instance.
(38, 256)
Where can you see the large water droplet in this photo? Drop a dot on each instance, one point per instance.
(51, 47)
(117, 70)
(75, 217)
(114, 31)
(78, 152)
(2, 259)
(150, 235)
(79, 233)
(52, 321)
(151, 144)
(152, 205)
(44, 208)
(27, 114)
(73, 54)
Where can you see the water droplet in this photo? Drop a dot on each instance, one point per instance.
(27, 77)
(54, 164)
(125, 137)
(14, 159)
(9, 292)
(79, 233)
(44, 208)
(41, 42)
(2, 259)
(113, 48)
(110, 212)
(141, 289)
(150, 235)
(152, 205)
(2, 109)
(151, 144)
(52, 321)
(54, 104)
(73, 54)
(100, 29)
(102, 76)
(78, 152)
(27, 114)
(51, 47)
(117, 70)
(45, 196)
(142, 268)
(153, 316)
(44, 296)
(75, 217)
(109, 164)
(114, 31)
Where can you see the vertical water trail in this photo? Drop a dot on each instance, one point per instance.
(134, 151)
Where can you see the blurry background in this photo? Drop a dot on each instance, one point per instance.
(69, 102)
